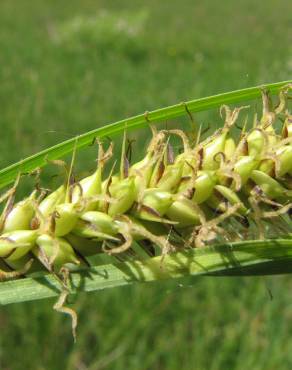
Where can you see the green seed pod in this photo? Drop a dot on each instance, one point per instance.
(287, 127)
(103, 222)
(284, 155)
(98, 225)
(256, 142)
(154, 205)
(125, 194)
(66, 218)
(171, 177)
(271, 136)
(189, 160)
(186, 185)
(244, 166)
(232, 198)
(89, 187)
(210, 151)
(47, 206)
(157, 200)
(272, 188)
(89, 231)
(267, 166)
(229, 148)
(204, 185)
(142, 170)
(167, 172)
(16, 244)
(184, 212)
(157, 172)
(20, 216)
(145, 167)
(57, 251)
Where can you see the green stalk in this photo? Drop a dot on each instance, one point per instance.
(8, 174)
(240, 258)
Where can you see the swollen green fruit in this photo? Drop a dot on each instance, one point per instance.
(57, 251)
(66, 218)
(101, 221)
(48, 205)
(171, 178)
(16, 244)
(144, 166)
(287, 127)
(199, 188)
(124, 193)
(97, 225)
(184, 212)
(204, 185)
(154, 205)
(210, 151)
(267, 166)
(271, 187)
(284, 155)
(229, 148)
(89, 187)
(244, 167)
(20, 216)
(256, 142)
(232, 198)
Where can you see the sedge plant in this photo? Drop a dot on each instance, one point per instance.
(220, 199)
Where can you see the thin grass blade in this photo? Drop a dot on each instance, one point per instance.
(240, 258)
(8, 174)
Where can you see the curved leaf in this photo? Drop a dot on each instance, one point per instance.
(240, 258)
(8, 174)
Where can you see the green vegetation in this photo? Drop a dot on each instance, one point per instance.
(49, 82)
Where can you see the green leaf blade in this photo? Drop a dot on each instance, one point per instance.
(8, 174)
(240, 258)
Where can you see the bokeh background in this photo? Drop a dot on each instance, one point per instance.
(70, 66)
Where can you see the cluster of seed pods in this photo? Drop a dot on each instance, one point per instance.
(214, 189)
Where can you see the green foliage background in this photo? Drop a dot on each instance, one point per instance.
(67, 67)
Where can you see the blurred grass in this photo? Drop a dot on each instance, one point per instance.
(54, 86)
